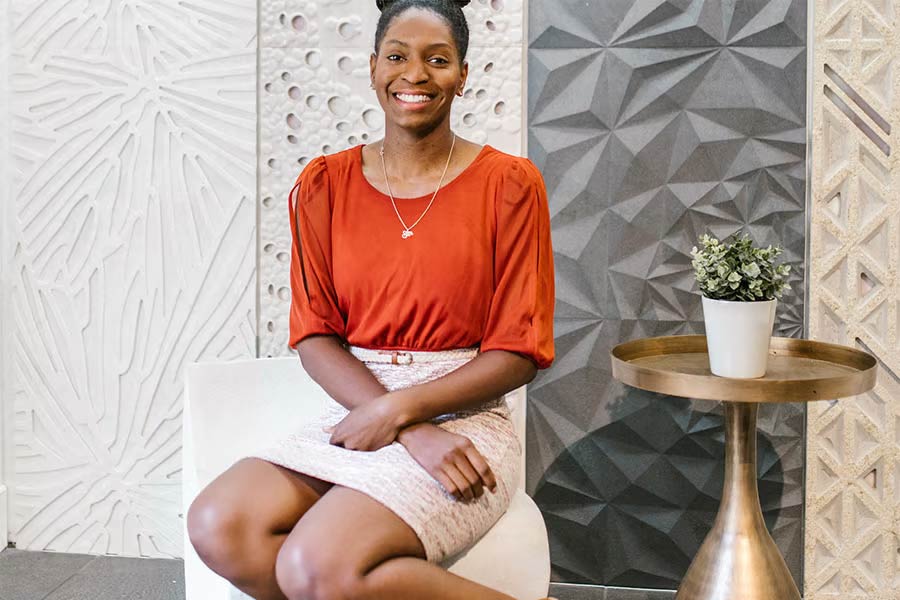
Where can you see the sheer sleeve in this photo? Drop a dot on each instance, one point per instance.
(520, 318)
(314, 303)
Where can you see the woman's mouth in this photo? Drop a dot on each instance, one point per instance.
(412, 101)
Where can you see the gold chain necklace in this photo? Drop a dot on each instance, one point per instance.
(407, 231)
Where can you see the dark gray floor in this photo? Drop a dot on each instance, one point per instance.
(566, 591)
(56, 576)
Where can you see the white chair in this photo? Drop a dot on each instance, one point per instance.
(232, 408)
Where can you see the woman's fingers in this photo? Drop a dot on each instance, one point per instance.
(447, 483)
(483, 469)
(471, 475)
(463, 489)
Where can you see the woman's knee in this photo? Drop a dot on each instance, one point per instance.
(218, 532)
(306, 572)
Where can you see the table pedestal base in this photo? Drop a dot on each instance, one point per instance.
(738, 559)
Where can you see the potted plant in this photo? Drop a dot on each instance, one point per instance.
(740, 285)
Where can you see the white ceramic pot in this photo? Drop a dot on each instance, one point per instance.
(738, 335)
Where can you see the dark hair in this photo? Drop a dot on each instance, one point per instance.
(449, 10)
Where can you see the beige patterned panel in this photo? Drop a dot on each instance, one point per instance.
(853, 452)
(315, 99)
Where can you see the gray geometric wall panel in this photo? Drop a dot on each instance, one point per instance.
(653, 122)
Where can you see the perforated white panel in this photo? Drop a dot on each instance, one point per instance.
(315, 99)
(133, 149)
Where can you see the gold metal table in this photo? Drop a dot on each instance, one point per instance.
(738, 560)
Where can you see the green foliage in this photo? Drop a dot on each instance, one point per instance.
(736, 270)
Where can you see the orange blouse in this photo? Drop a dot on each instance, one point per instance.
(477, 271)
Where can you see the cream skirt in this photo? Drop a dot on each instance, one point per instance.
(391, 476)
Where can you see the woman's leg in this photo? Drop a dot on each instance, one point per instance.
(351, 547)
(240, 520)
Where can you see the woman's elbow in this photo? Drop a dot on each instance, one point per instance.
(314, 346)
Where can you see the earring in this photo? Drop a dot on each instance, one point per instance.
(372, 85)
(460, 91)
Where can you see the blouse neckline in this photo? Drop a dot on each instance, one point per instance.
(476, 160)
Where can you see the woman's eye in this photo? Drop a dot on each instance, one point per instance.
(394, 57)
(439, 60)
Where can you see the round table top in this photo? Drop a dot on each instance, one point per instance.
(797, 370)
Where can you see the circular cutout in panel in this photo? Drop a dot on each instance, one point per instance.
(338, 106)
(373, 119)
(314, 59)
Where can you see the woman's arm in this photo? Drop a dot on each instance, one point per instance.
(451, 459)
(343, 376)
(375, 424)
(488, 376)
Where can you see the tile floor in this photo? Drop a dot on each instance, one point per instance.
(56, 576)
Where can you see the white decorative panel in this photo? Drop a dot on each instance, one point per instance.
(315, 98)
(134, 157)
(853, 453)
(5, 405)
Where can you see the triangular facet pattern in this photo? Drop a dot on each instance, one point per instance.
(654, 121)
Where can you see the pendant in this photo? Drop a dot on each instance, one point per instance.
(406, 233)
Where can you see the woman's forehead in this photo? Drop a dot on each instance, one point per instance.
(418, 25)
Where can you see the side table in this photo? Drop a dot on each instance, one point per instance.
(738, 560)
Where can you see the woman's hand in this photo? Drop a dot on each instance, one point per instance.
(451, 459)
(368, 427)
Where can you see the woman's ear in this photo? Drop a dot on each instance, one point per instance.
(373, 58)
(463, 76)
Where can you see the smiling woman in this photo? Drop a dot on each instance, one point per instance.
(422, 292)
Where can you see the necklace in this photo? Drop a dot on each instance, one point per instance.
(407, 230)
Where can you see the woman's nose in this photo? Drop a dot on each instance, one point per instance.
(415, 71)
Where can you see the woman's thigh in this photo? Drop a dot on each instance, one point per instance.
(252, 497)
(340, 539)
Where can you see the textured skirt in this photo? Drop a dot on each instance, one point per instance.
(444, 525)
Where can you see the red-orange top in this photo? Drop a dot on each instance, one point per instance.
(477, 271)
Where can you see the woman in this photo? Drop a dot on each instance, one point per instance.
(416, 304)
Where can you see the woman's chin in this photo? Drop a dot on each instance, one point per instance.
(419, 123)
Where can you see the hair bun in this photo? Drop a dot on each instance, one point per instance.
(383, 4)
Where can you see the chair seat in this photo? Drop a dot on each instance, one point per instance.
(513, 556)
(232, 408)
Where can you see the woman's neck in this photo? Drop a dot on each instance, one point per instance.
(409, 156)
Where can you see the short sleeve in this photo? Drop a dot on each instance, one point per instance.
(314, 304)
(520, 318)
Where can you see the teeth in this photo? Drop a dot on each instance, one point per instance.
(411, 98)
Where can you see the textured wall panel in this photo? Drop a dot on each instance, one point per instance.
(315, 99)
(133, 147)
(652, 123)
(5, 251)
(853, 451)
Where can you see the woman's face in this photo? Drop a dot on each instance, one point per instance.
(417, 71)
